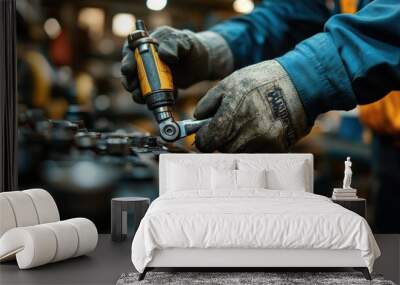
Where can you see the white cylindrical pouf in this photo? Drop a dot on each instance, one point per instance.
(87, 234)
(45, 205)
(7, 218)
(23, 208)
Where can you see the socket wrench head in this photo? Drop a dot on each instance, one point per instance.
(169, 130)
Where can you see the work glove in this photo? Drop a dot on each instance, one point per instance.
(255, 109)
(192, 57)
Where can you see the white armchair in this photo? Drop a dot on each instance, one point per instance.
(31, 231)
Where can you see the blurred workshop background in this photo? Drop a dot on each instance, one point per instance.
(83, 138)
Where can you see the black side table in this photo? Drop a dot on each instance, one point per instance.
(357, 205)
(119, 215)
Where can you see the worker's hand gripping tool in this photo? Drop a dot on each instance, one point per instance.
(157, 86)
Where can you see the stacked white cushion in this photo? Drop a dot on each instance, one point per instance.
(31, 232)
(284, 174)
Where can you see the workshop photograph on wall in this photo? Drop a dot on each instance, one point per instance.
(144, 126)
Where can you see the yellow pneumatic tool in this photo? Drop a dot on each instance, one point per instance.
(157, 87)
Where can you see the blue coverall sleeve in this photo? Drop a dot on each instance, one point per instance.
(356, 60)
(273, 28)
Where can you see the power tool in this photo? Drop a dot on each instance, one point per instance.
(157, 87)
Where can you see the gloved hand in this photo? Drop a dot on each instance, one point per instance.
(255, 109)
(192, 57)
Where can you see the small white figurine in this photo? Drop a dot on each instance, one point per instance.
(347, 192)
(347, 174)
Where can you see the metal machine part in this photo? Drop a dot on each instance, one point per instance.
(86, 140)
(157, 86)
(86, 168)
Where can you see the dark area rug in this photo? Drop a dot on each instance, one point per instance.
(233, 278)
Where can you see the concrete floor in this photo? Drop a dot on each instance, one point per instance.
(389, 263)
(103, 266)
(110, 260)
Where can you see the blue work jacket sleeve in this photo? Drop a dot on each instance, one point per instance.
(355, 61)
(273, 28)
